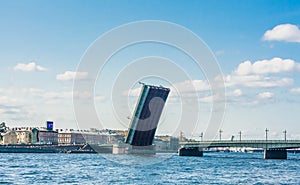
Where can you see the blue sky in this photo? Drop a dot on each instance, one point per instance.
(53, 36)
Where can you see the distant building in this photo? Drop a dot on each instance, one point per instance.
(45, 135)
(166, 143)
(90, 137)
(161, 145)
(42, 136)
(182, 138)
(23, 135)
(69, 137)
(122, 133)
(49, 125)
(76, 137)
(9, 137)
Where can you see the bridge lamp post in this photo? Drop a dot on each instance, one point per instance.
(201, 136)
(284, 132)
(267, 134)
(240, 134)
(220, 132)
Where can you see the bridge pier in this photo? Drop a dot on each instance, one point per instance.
(190, 151)
(275, 153)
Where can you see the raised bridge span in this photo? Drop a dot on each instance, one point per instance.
(273, 149)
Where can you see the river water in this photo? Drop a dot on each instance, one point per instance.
(213, 168)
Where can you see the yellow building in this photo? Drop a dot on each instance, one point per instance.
(23, 136)
(9, 138)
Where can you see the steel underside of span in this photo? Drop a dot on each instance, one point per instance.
(146, 116)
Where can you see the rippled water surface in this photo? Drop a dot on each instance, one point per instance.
(213, 168)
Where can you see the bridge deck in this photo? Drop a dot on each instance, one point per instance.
(244, 143)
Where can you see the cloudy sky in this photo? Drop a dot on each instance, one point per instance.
(256, 44)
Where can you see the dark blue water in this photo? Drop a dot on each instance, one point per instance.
(213, 168)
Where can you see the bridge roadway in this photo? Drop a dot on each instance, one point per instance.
(264, 144)
(273, 149)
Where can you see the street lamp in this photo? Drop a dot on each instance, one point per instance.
(201, 136)
(267, 134)
(240, 134)
(284, 132)
(220, 132)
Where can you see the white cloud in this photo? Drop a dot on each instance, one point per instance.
(67, 95)
(100, 98)
(235, 93)
(29, 109)
(6, 95)
(295, 90)
(187, 87)
(207, 99)
(9, 101)
(34, 90)
(191, 86)
(265, 95)
(72, 75)
(255, 74)
(32, 66)
(52, 102)
(247, 75)
(82, 95)
(256, 81)
(244, 68)
(133, 92)
(199, 89)
(283, 32)
(11, 111)
(274, 65)
(55, 95)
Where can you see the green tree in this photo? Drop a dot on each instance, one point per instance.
(2, 127)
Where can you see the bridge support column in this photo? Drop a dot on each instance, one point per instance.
(190, 151)
(275, 153)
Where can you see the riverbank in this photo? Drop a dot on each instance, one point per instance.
(76, 148)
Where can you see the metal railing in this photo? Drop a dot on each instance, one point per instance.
(244, 143)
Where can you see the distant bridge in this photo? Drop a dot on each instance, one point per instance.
(273, 149)
(264, 144)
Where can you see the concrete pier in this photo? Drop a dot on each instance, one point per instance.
(130, 149)
(190, 151)
(275, 153)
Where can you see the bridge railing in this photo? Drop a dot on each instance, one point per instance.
(241, 141)
(244, 143)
